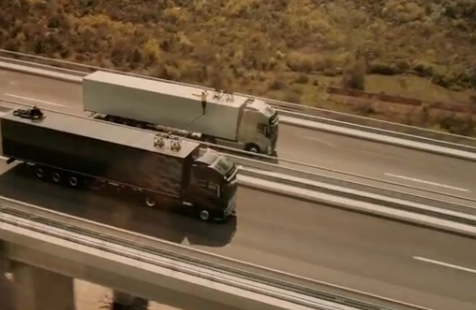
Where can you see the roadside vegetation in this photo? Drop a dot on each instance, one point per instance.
(287, 50)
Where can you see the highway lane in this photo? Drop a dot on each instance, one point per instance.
(344, 248)
(394, 164)
(371, 182)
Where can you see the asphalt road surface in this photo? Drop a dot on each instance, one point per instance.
(381, 257)
(395, 164)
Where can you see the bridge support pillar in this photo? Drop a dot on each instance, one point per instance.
(124, 299)
(40, 289)
(6, 290)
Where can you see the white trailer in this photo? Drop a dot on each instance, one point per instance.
(228, 119)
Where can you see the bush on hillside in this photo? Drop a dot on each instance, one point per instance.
(254, 46)
(193, 40)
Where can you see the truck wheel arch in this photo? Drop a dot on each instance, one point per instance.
(74, 181)
(56, 177)
(204, 215)
(40, 173)
(253, 148)
(209, 139)
(149, 201)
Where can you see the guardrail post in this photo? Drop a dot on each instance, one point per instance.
(40, 289)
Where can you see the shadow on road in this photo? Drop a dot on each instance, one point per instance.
(18, 183)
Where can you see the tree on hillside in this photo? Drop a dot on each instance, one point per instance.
(354, 74)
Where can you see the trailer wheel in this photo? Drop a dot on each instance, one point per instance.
(150, 202)
(204, 215)
(56, 177)
(73, 181)
(40, 173)
(253, 148)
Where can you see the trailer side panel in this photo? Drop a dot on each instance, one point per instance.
(30, 141)
(162, 103)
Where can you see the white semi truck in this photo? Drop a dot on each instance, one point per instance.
(212, 116)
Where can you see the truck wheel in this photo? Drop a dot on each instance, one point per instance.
(204, 215)
(56, 177)
(150, 202)
(40, 173)
(253, 148)
(73, 181)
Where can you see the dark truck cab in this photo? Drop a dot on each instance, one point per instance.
(160, 169)
(222, 178)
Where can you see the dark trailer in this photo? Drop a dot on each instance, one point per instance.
(76, 150)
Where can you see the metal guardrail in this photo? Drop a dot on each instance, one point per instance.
(264, 162)
(336, 127)
(471, 148)
(138, 253)
(459, 214)
(329, 116)
(198, 258)
(383, 198)
(353, 190)
(325, 180)
(376, 126)
(346, 181)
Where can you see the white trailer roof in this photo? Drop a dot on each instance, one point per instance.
(105, 131)
(166, 88)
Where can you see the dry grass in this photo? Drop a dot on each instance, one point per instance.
(289, 50)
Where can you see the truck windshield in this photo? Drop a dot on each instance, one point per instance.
(218, 162)
(223, 165)
(261, 107)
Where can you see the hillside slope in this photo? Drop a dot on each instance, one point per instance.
(289, 50)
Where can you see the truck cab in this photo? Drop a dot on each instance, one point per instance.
(259, 127)
(213, 186)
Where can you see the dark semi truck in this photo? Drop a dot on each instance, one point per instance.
(161, 170)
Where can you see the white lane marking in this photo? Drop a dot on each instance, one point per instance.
(435, 262)
(35, 100)
(354, 150)
(320, 141)
(427, 182)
